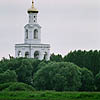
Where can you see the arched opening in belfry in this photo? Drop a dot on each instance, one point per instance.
(19, 54)
(36, 55)
(45, 55)
(35, 34)
(26, 34)
(27, 54)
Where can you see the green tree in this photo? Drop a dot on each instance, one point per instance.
(11, 64)
(97, 82)
(8, 76)
(41, 65)
(89, 59)
(34, 63)
(1, 71)
(57, 58)
(61, 76)
(87, 80)
(24, 72)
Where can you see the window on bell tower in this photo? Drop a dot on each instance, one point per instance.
(26, 34)
(34, 19)
(35, 34)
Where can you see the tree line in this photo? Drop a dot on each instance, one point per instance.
(77, 71)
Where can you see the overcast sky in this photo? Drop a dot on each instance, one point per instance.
(66, 24)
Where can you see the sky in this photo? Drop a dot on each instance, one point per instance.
(67, 25)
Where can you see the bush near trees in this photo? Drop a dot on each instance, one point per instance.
(16, 86)
(60, 73)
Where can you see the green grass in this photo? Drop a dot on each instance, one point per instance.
(49, 95)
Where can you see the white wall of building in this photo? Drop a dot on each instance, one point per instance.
(32, 40)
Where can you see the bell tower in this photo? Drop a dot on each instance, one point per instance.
(32, 14)
(32, 29)
(32, 46)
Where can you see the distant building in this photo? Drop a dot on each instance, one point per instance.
(32, 47)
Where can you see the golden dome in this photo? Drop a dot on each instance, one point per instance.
(32, 9)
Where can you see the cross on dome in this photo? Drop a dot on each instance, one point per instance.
(32, 9)
(32, 3)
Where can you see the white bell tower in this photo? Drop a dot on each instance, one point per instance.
(32, 47)
(32, 29)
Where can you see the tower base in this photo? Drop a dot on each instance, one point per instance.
(36, 51)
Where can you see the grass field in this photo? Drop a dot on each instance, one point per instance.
(49, 95)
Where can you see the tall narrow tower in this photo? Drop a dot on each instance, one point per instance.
(32, 47)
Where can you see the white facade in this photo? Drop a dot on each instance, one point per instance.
(32, 47)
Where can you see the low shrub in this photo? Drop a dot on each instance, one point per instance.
(4, 86)
(16, 86)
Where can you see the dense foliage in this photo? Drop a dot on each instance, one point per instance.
(58, 76)
(57, 58)
(77, 71)
(97, 81)
(8, 76)
(89, 59)
(87, 80)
